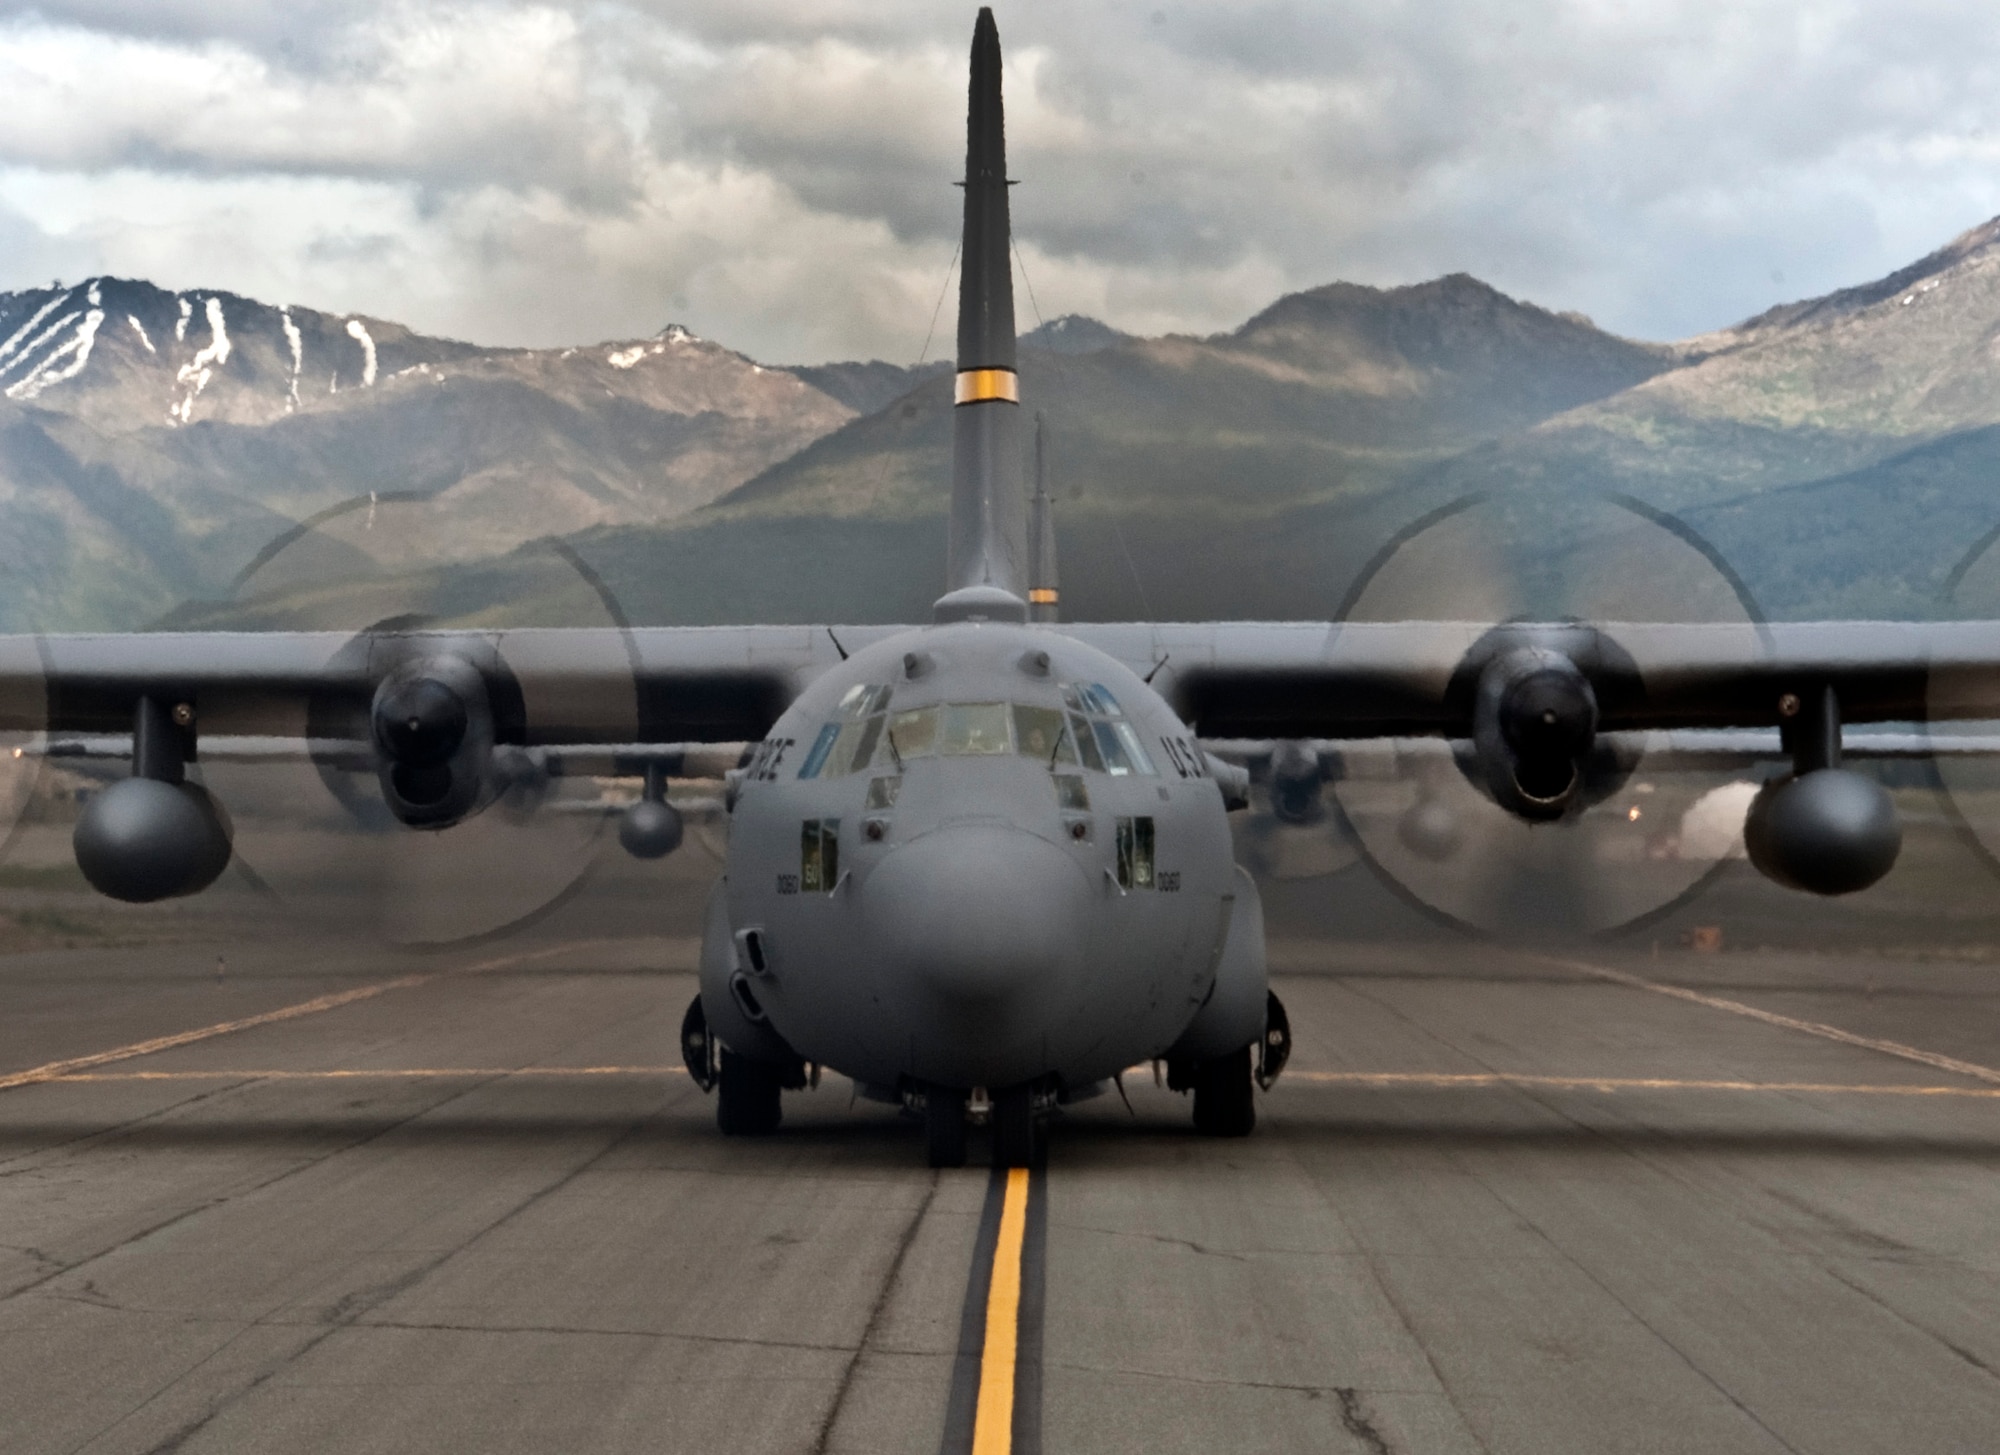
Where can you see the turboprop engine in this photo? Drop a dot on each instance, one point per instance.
(1534, 723)
(1296, 777)
(432, 724)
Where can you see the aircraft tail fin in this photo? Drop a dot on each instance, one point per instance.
(989, 507)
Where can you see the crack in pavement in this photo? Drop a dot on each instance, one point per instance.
(1278, 1386)
(351, 1307)
(1897, 1314)
(732, 1341)
(1188, 1243)
(1354, 1418)
(223, 1199)
(875, 1314)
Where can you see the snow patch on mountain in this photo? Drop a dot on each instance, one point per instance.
(358, 331)
(140, 329)
(298, 343)
(181, 328)
(196, 372)
(14, 341)
(625, 358)
(20, 360)
(77, 351)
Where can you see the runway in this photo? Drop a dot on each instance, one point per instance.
(1508, 1202)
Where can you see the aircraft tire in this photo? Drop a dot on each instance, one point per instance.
(1017, 1131)
(1224, 1096)
(944, 1127)
(748, 1103)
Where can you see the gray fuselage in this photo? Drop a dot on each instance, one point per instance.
(977, 854)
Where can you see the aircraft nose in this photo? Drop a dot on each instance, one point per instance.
(980, 927)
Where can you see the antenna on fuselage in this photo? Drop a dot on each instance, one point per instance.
(1044, 590)
(989, 515)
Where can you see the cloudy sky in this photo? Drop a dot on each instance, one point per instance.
(776, 173)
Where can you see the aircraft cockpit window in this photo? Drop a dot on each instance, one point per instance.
(822, 745)
(913, 734)
(1086, 743)
(842, 748)
(1135, 752)
(1071, 793)
(1091, 697)
(974, 729)
(1040, 733)
(847, 744)
(882, 793)
(1105, 740)
(977, 730)
(862, 700)
(1120, 749)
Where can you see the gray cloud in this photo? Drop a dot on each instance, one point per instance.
(777, 173)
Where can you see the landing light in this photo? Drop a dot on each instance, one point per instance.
(1632, 813)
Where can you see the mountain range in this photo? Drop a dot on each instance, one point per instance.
(1841, 453)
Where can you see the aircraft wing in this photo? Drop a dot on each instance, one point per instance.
(1410, 679)
(1229, 680)
(575, 686)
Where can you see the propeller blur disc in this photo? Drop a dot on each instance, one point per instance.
(1960, 704)
(1647, 837)
(24, 714)
(314, 826)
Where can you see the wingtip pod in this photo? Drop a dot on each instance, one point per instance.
(989, 503)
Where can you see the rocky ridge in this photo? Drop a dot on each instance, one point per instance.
(151, 441)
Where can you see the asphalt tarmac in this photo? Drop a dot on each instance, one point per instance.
(323, 1197)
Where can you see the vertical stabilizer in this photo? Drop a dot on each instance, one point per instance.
(1044, 589)
(989, 516)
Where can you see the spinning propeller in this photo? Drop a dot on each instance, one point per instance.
(1591, 837)
(1963, 712)
(421, 809)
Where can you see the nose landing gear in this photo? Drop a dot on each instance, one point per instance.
(1016, 1117)
(944, 1126)
(1020, 1136)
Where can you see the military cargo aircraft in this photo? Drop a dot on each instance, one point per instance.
(984, 862)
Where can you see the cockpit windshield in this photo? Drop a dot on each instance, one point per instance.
(864, 734)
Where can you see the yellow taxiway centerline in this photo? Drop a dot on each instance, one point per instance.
(993, 1425)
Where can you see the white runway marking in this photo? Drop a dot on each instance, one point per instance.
(1790, 1023)
(57, 1070)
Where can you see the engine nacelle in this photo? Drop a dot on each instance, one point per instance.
(141, 840)
(1830, 831)
(1296, 778)
(1534, 723)
(432, 723)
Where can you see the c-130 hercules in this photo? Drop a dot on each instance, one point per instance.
(989, 854)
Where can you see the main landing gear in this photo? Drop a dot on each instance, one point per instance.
(1224, 1086)
(748, 1099)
